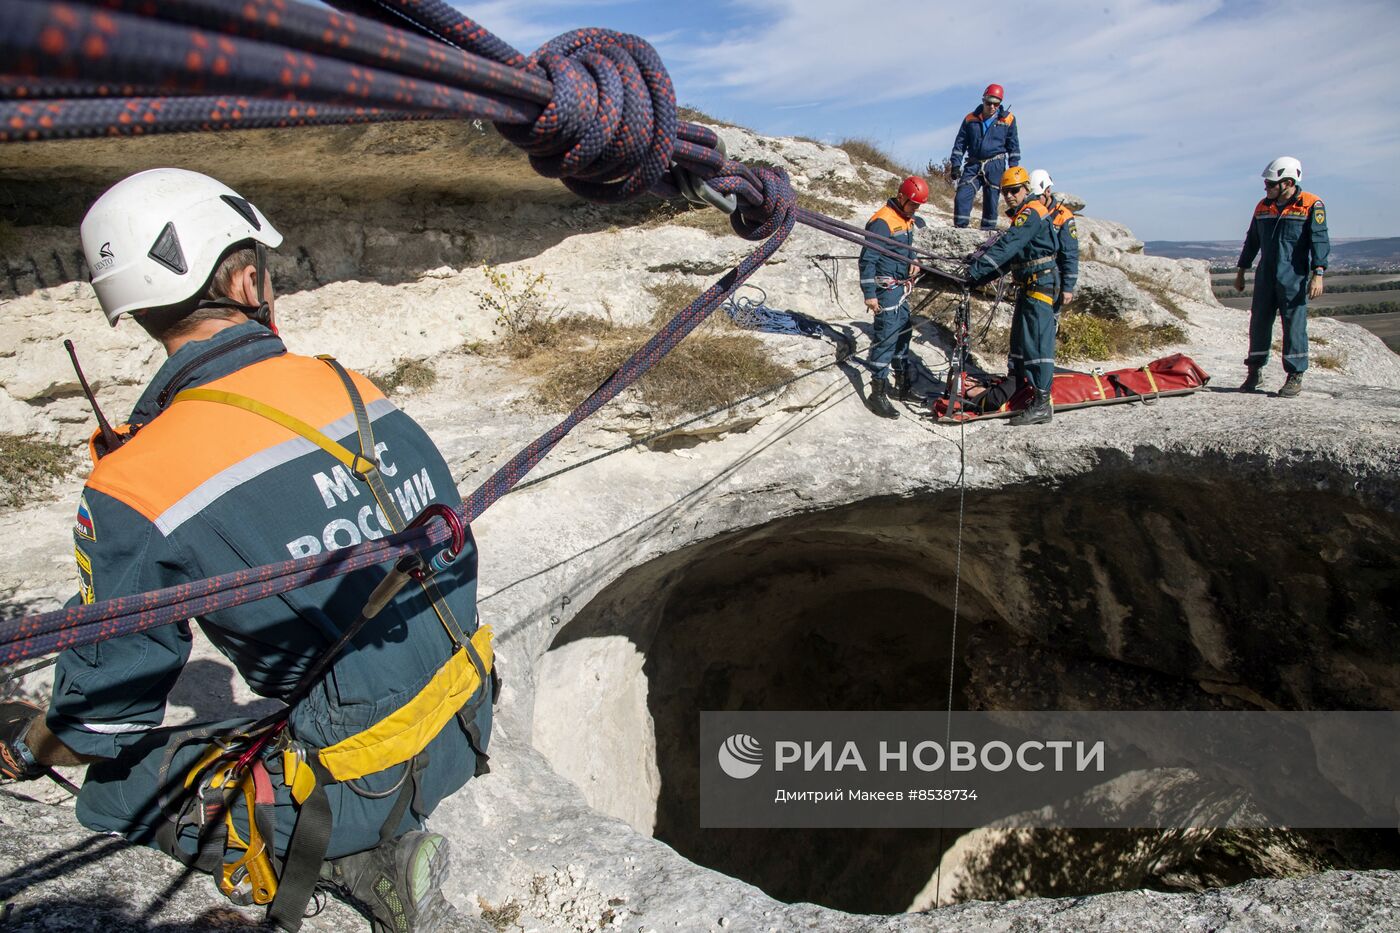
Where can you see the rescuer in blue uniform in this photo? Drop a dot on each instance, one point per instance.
(1289, 235)
(209, 481)
(1066, 235)
(1028, 250)
(989, 141)
(885, 282)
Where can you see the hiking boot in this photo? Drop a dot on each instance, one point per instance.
(1252, 380)
(879, 399)
(903, 384)
(399, 884)
(1291, 386)
(1037, 412)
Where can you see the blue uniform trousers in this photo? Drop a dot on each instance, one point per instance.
(1288, 302)
(1033, 325)
(892, 331)
(986, 176)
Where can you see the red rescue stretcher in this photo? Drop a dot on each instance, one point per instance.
(1177, 374)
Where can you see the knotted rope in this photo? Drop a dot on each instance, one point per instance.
(594, 108)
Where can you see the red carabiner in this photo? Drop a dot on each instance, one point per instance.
(454, 526)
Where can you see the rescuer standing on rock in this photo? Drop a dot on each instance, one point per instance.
(885, 281)
(1066, 236)
(241, 454)
(1028, 250)
(988, 139)
(1289, 235)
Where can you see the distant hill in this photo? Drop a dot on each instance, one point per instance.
(1378, 252)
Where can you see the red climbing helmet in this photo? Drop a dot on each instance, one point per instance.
(915, 189)
(995, 90)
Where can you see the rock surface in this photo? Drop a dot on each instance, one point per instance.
(384, 264)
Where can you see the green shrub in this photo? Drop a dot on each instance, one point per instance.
(1089, 337)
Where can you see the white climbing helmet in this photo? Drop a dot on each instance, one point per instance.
(1041, 182)
(154, 239)
(1284, 167)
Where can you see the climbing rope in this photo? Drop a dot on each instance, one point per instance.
(594, 108)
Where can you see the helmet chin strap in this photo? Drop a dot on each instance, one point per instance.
(262, 311)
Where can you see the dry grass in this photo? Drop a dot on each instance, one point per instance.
(1329, 359)
(707, 370)
(523, 306)
(1335, 360)
(501, 918)
(861, 189)
(815, 202)
(691, 115)
(672, 296)
(941, 188)
(1087, 337)
(713, 366)
(413, 375)
(863, 151)
(28, 465)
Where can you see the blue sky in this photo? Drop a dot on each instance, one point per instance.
(1159, 113)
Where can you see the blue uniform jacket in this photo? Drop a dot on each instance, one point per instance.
(887, 222)
(1067, 245)
(204, 488)
(979, 145)
(1290, 242)
(1031, 237)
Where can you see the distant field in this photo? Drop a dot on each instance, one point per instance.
(1226, 295)
(1384, 326)
(1370, 279)
(1328, 300)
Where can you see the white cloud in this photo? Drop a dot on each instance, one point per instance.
(1122, 95)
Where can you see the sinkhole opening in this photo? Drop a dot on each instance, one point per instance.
(1115, 590)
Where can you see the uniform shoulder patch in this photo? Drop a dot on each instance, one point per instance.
(1020, 220)
(86, 592)
(1073, 230)
(82, 524)
(1319, 215)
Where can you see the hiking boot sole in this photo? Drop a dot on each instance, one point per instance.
(432, 861)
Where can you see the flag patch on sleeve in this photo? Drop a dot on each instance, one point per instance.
(82, 525)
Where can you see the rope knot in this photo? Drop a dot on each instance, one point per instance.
(779, 203)
(610, 130)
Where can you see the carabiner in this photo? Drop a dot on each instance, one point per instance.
(698, 192)
(448, 554)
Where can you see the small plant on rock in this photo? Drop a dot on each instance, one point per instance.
(526, 315)
(28, 465)
(407, 374)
